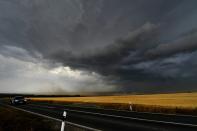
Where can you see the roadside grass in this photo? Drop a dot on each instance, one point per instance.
(14, 120)
(177, 103)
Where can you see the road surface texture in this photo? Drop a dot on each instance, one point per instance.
(113, 120)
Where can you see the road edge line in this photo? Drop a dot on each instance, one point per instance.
(74, 124)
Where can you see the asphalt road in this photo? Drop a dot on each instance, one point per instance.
(113, 120)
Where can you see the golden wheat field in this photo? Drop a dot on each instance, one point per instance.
(183, 100)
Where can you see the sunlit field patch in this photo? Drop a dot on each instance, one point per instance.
(185, 103)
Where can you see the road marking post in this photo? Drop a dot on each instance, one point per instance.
(130, 106)
(63, 120)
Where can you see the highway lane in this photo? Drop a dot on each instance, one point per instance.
(112, 120)
(187, 119)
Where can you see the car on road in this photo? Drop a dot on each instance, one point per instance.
(17, 100)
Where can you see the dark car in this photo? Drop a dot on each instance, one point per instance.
(18, 100)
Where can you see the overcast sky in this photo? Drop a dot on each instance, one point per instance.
(86, 46)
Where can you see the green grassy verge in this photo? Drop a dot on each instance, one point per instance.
(14, 120)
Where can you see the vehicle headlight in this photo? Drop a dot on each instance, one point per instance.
(16, 100)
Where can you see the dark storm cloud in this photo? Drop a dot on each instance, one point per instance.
(113, 53)
(186, 43)
(131, 43)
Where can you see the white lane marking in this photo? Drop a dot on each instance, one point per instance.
(70, 123)
(132, 118)
(178, 115)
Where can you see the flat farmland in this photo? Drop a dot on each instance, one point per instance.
(182, 100)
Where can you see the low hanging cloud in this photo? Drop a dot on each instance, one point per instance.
(30, 75)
